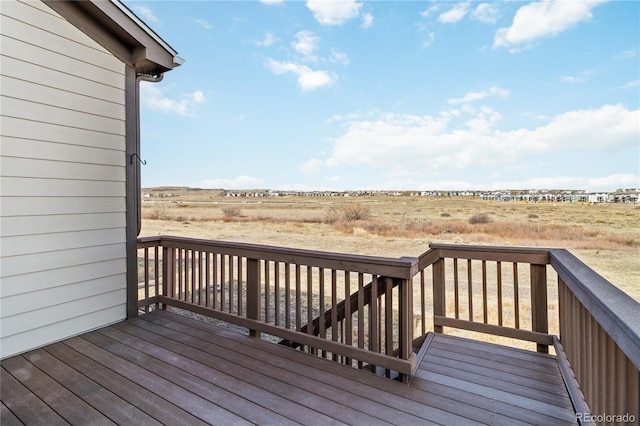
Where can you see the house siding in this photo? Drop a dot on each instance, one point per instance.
(62, 180)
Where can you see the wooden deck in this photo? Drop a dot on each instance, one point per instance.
(163, 368)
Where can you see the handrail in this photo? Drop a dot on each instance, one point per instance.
(615, 311)
(599, 324)
(279, 291)
(403, 267)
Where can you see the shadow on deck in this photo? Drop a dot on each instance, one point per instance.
(163, 368)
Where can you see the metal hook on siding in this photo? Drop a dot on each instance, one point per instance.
(140, 160)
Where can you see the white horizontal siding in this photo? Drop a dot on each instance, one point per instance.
(36, 187)
(61, 133)
(18, 305)
(26, 167)
(57, 331)
(59, 312)
(62, 180)
(42, 280)
(41, 150)
(38, 93)
(37, 225)
(36, 206)
(59, 259)
(26, 110)
(55, 34)
(41, 243)
(63, 80)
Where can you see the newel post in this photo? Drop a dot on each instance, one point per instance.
(438, 294)
(253, 292)
(406, 318)
(539, 311)
(168, 272)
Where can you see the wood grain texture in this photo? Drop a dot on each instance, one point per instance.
(170, 369)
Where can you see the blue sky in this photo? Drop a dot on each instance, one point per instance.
(395, 95)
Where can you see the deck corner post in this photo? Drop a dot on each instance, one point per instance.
(253, 292)
(168, 272)
(539, 311)
(438, 293)
(406, 318)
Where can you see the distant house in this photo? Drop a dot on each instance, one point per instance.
(599, 198)
(69, 166)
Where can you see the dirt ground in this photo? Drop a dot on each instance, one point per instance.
(606, 237)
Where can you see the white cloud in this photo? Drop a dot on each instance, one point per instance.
(476, 96)
(632, 84)
(334, 12)
(311, 166)
(627, 54)
(267, 41)
(486, 13)
(367, 21)
(428, 144)
(429, 11)
(153, 97)
(272, 2)
(455, 14)
(546, 18)
(590, 184)
(428, 40)
(239, 182)
(576, 79)
(308, 79)
(146, 13)
(203, 23)
(306, 44)
(339, 57)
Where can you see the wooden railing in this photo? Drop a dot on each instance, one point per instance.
(507, 292)
(600, 339)
(366, 311)
(284, 292)
(494, 290)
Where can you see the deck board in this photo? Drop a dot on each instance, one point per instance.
(169, 369)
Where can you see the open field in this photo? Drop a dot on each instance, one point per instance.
(605, 236)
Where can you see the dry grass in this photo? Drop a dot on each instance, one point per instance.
(606, 237)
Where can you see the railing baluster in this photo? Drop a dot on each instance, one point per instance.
(485, 307)
(287, 295)
(423, 304)
(267, 293)
(194, 287)
(374, 328)
(322, 332)
(207, 283)
(456, 290)
(499, 283)
(231, 284)
(310, 328)
(180, 277)
(146, 276)
(388, 319)
(239, 289)
(334, 308)
(223, 297)
(516, 295)
(297, 298)
(361, 319)
(348, 318)
(470, 289)
(276, 292)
